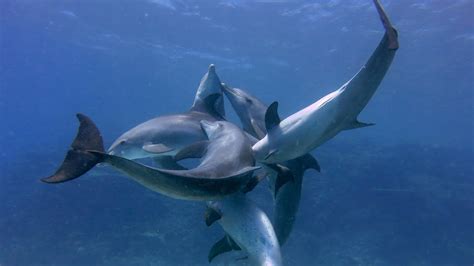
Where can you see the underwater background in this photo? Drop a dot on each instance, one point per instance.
(398, 193)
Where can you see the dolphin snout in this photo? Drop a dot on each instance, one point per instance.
(206, 125)
(228, 90)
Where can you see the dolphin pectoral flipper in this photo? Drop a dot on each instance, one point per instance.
(390, 30)
(78, 161)
(270, 153)
(211, 215)
(224, 245)
(208, 105)
(356, 124)
(195, 150)
(309, 162)
(157, 148)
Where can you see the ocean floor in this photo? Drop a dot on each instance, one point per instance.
(371, 205)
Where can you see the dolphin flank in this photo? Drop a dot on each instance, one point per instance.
(164, 136)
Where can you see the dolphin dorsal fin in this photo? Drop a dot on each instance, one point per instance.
(272, 119)
(210, 84)
(208, 105)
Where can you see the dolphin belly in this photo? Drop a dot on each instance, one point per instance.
(250, 228)
(312, 126)
(169, 134)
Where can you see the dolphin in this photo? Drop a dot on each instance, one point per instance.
(314, 125)
(247, 228)
(164, 136)
(249, 109)
(251, 112)
(226, 168)
(287, 198)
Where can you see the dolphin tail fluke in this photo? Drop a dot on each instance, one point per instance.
(389, 29)
(226, 244)
(78, 160)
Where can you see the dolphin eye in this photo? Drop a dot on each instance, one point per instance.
(122, 142)
(248, 100)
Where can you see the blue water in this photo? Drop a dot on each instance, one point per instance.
(399, 193)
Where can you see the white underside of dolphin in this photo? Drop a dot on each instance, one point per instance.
(251, 112)
(312, 126)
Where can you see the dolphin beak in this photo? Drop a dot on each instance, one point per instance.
(208, 127)
(206, 124)
(228, 90)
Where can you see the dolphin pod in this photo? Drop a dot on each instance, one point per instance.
(251, 112)
(208, 181)
(228, 155)
(312, 126)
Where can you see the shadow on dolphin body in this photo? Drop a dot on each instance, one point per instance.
(312, 126)
(227, 164)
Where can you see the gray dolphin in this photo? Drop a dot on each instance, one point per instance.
(247, 227)
(227, 163)
(251, 112)
(287, 198)
(337, 111)
(164, 136)
(249, 109)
